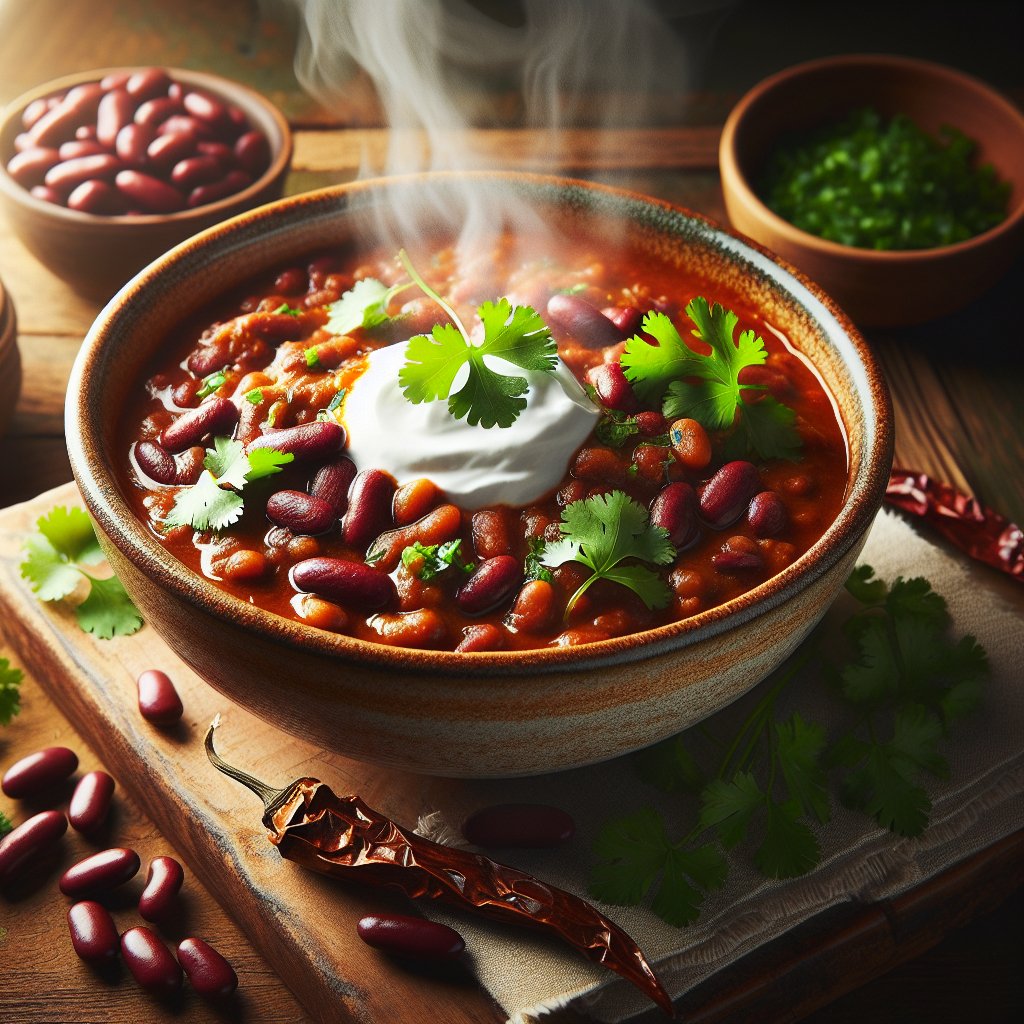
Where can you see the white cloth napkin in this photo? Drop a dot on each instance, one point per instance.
(980, 803)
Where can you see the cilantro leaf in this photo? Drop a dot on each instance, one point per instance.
(799, 746)
(211, 382)
(602, 530)
(730, 806)
(6, 825)
(71, 532)
(426, 561)
(108, 611)
(633, 851)
(10, 696)
(686, 872)
(670, 766)
(363, 305)
(50, 574)
(651, 368)
(880, 788)
(533, 567)
(790, 848)
(863, 585)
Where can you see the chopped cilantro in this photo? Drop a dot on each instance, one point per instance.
(425, 561)
(255, 396)
(10, 696)
(312, 358)
(365, 305)
(53, 566)
(287, 310)
(533, 567)
(211, 382)
(336, 401)
(601, 531)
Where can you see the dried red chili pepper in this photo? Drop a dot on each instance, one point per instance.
(341, 836)
(974, 529)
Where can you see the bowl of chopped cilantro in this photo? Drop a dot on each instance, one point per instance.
(895, 183)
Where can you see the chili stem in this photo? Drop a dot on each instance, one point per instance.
(267, 794)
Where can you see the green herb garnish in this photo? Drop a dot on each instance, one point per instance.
(335, 402)
(211, 382)
(707, 387)
(425, 561)
(6, 825)
(533, 567)
(600, 532)
(215, 500)
(10, 694)
(53, 565)
(365, 305)
(903, 687)
(312, 358)
(255, 396)
(287, 310)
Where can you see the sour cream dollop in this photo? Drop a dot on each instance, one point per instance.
(476, 467)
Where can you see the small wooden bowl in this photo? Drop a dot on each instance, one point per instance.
(96, 254)
(440, 712)
(877, 288)
(10, 360)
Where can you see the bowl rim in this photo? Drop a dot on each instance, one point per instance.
(739, 118)
(221, 86)
(102, 493)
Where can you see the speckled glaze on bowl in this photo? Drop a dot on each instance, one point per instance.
(485, 714)
(96, 254)
(877, 288)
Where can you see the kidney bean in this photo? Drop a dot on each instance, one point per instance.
(69, 173)
(410, 936)
(525, 826)
(767, 514)
(149, 82)
(675, 509)
(493, 582)
(115, 80)
(691, 443)
(38, 771)
(190, 464)
(216, 415)
(349, 583)
(436, 527)
(116, 109)
(233, 182)
(157, 463)
(369, 505)
(47, 194)
(252, 151)
(727, 494)
(151, 963)
(613, 390)
(332, 481)
(209, 973)
(584, 322)
(627, 318)
(33, 112)
(85, 131)
(58, 124)
(154, 112)
(244, 564)
(132, 144)
(152, 194)
(422, 628)
(413, 500)
(308, 442)
(291, 281)
(178, 123)
(738, 555)
(159, 702)
(599, 466)
(29, 167)
(482, 636)
(300, 512)
(220, 151)
(163, 882)
(320, 613)
(96, 196)
(650, 424)
(28, 841)
(79, 147)
(534, 607)
(208, 109)
(492, 533)
(93, 933)
(99, 872)
(194, 170)
(90, 802)
(166, 150)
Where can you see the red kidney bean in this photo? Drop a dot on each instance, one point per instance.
(79, 147)
(28, 841)
(410, 936)
(47, 194)
(613, 390)
(85, 131)
(231, 183)
(116, 109)
(627, 318)
(166, 150)
(675, 509)
(157, 463)
(29, 167)
(38, 771)
(33, 112)
(300, 512)
(208, 109)
(132, 144)
(96, 196)
(215, 415)
(727, 494)
(152, 964)
(152, 194)
(93, 933)
(163, 882)
(159, 702)
(252, 151)
(195, 170)
(90, 802)
(348, 583)
(148, 82)
(491, 533)
(58, 124)
(767, 514)
(492, 583)
(210, 974)
(153, 113)
(291, 281)
(650, 424)
(586, 323)
(332, 482)
(481, 636)
(100, 872)
(178, 123)
(527, 826)
(115, 80)
(369, 507)
(220, 151)
(69, 173)
(730, 562)
(308, 442)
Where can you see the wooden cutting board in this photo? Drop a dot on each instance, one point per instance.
(302, 923)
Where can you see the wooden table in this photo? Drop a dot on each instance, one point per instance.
(956, 384)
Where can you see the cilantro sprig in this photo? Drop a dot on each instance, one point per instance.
(707, 388)
(10, 692)
(603, 530)
(903, 687)
(53, 565)
(215, 500)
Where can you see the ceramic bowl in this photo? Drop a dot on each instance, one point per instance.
(483, 714)
(97, 254)
(877, 288)
(10, 360)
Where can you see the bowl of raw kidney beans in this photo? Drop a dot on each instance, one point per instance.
(103, 171)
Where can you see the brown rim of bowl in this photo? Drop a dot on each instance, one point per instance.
(119, 523)
(217, 84)
(730, 165)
